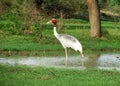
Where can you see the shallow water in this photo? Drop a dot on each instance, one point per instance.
(99, 61)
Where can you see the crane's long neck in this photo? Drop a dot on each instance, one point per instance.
(55, 32)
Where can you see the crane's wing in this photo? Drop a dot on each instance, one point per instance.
(68, 37)
(69, 41)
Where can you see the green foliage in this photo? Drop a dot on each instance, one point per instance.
(66, 8)
(114, 2)
(110, 5)
(18, 18)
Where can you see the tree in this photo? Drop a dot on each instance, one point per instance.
(94, 17)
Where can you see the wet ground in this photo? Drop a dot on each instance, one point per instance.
(99, 61)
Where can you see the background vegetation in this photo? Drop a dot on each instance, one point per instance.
(24, 32)
(23, 24)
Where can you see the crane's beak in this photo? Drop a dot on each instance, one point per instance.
(49, 22)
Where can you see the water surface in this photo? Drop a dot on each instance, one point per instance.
(99, 61)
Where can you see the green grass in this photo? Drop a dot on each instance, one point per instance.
(42, 39)
(37, 76)
(49, 42)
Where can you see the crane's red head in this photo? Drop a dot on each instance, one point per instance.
(54, 21)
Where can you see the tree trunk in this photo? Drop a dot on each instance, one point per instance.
(94, 17)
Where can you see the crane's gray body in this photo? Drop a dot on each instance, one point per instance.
(68, 41)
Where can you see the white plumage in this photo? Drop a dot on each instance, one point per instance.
(67, 41)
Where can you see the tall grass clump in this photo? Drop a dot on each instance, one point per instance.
(20, 17)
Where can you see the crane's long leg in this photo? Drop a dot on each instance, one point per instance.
(66, 56)
(82, 55)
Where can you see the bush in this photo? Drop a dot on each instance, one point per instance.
(64, 7)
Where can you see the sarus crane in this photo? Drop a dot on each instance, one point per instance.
(67, 41)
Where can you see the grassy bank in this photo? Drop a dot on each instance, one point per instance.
(37, 76)
(42, 39)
